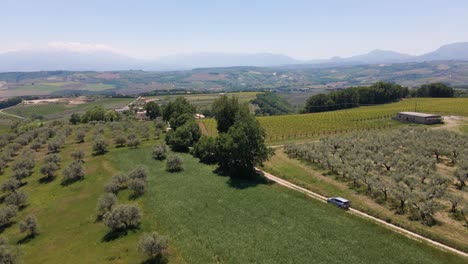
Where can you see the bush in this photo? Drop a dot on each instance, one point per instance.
(10, 185)
(153, 245)
(184, 137)
(54, 158)
(36, 145)
(116, 183)
(99, 146)
(205, 149)
(133, 141)
(74, 172)
(105, 204)
(120, 140)
(80, 135)
(159, 152)
(29, 226)
(20, 173)
(138, 187)
(78, 155)
(49, 169)
(174, 164)
(6, 214)
(17, 199)
(7, 255)
(54, 146)
(139, 172)
(123, 217)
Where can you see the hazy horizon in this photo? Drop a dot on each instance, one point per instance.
(303, 30)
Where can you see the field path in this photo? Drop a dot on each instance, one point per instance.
(395, 228)
(16, 116)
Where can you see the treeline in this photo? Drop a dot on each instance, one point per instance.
(378, 93)
(435, 90)
(271, 104)
(10, 102)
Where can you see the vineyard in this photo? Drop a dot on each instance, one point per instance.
(289, 127)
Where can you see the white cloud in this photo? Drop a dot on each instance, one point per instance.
(81, 47)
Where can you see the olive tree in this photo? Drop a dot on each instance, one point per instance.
(29, 226)
(123, 217)
(18, 199)
(49, 170)
(80, 135)
(6, 214)
(138, 187)
(159, 152)
(105, 204)
(99, 146)
(74, 172)
(11, 185)
(116, 183)
(153, 245)
(133, 141)
(78, 155)
(7, 254)
(174, 164)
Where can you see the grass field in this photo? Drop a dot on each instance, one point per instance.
(207, 217)
(60, 110)
(204, 101)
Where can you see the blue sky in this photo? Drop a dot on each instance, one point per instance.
(301, 29)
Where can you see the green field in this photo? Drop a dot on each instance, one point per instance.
(59, 110)
(204, 101)
(207, 217)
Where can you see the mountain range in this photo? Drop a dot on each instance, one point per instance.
(50, 59)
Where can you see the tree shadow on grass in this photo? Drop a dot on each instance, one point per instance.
(46, 179)
(26, 239)
(157, 260)
(115, 234)
(5, 226)
(239, 182)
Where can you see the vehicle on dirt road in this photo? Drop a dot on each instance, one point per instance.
(340, 202)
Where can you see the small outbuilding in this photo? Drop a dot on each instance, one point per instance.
(418, 118)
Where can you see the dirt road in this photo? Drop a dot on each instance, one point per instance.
(395, 228)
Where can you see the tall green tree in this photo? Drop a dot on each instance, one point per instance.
(225, 110)
(152, 110)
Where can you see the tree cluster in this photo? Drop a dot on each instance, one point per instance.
(378, 93)
(435, 90)
(270, 103)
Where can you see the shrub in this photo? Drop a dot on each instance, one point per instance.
(7, 254)
(174, 164)
(78, 155)
(6, 214)
(80, 135)
(139, 172)
(29, 226)
(205, 149)
(153, 245)
(36, 145)
(54, 146)
(123, 217)
(49, 169)
(184, 137)
(99, 146)
(159, 152)
(133, 141)
(17, 199)
(54, 158)
(105, 204)
(116, 183)
(11, 185)
(74, 172)
(20, 173)
(120, 140)
(138, 187)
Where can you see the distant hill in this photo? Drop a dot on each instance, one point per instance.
(205, 60)
(456, 51)
(50, 59)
